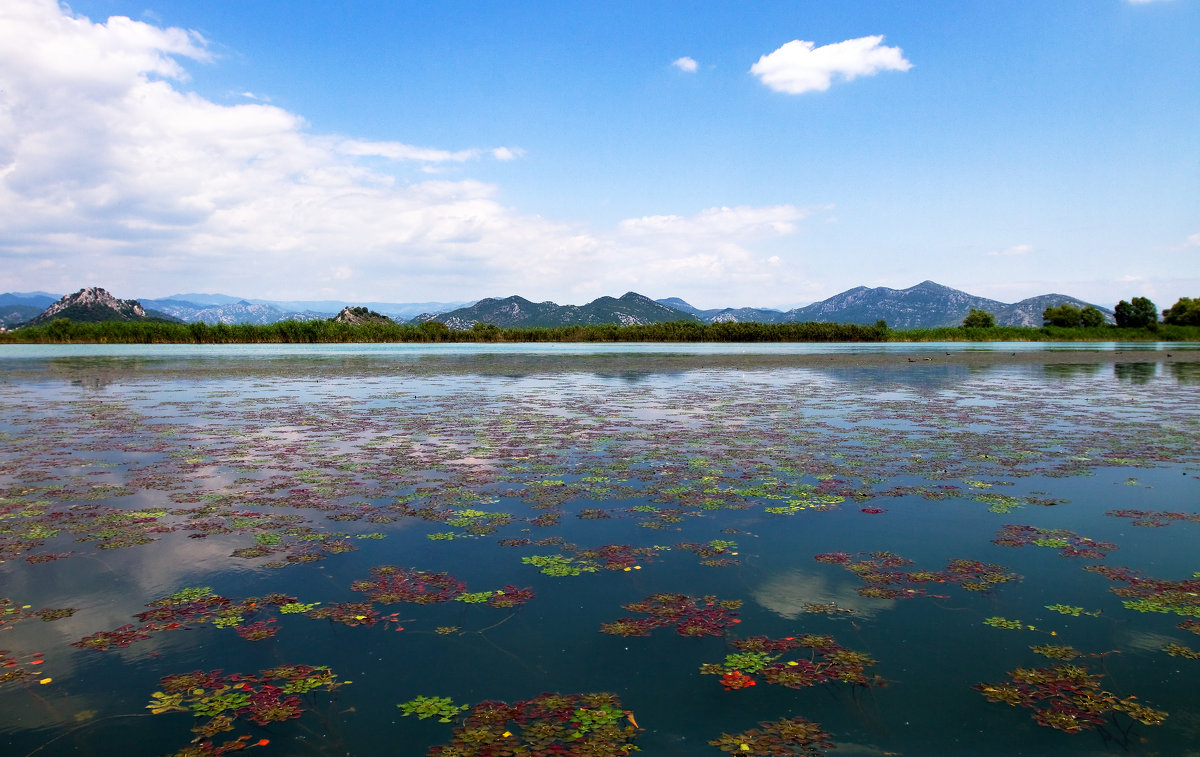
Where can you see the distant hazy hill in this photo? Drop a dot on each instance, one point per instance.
(11, 315)
(18, 307)
(94, 304)
(39, 300)
(926, 305)
(238, 311)
(220, 308)
(628, 309)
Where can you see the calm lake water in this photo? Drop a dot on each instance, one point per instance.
(904, 542)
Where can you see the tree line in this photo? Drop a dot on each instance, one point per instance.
(63, 331)
(1137, 313)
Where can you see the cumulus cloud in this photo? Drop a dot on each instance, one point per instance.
(800, 66)
(1016, 249)
(112, 173)
(685, 64)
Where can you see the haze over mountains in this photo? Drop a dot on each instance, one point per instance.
(925, 305)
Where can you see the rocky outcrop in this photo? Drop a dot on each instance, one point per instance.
(93, 304)
(360, 315)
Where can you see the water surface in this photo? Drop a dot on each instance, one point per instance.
(132, 473)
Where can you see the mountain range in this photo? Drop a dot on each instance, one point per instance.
(925, 305)
(629, 309)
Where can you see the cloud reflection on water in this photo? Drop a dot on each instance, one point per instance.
(787, 593)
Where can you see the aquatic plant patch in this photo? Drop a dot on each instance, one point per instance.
(548, 724)
(220, 700)
(1069, 698)
(1148, 594)
(761, 658)
(692, 616)
(780, 738)
(886, 575)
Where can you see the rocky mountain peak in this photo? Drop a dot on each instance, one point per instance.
(94, 298)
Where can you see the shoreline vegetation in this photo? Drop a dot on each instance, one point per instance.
(63, 331)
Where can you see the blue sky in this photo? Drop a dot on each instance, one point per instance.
(730, 153)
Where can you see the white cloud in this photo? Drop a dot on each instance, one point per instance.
(800, 66)
(1016, 249)
(685, 64)
(399, 151)
(1193, 240)
(507, 153)
(111, 171)
(711, 249)
(719, 223)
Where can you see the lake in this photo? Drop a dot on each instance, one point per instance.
(873, 549)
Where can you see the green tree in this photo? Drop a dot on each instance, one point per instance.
(59, 330)
(487, 332)
(1136, 314)
(433, 331)
(1065, 315)
(979, 319)
(1091, 317)
(1185, 312)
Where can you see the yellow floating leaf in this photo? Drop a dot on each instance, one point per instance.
(45, 681)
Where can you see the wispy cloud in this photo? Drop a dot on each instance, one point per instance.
(401, 151)
(1193, 240)
(1016, 249)
(685, 64)
(714, 248)
(720, 222)
(799, 66)
(507, 153)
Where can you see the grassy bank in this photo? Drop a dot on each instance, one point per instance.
(1107, 333)
(328, 332)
